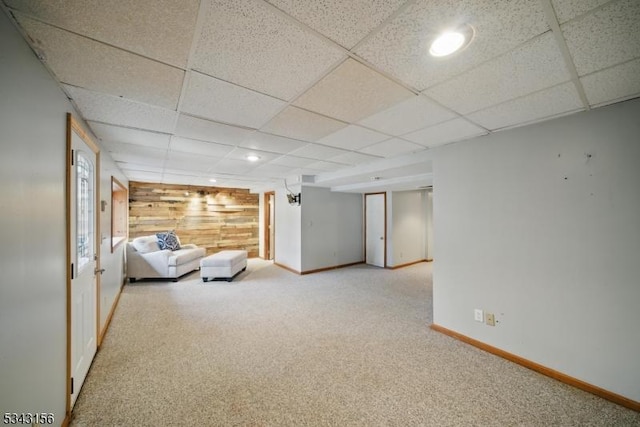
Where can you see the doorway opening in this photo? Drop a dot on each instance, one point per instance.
(375, 213)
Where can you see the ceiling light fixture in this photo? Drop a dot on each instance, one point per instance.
(252, 157)
(451, 41)
(213, 180)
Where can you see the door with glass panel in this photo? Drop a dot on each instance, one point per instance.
(84, 256)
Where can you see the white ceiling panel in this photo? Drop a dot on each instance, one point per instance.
(546, 103)
(190, 162)
(292, 161)
(353, 158)
(400, 49)
(326, 166)
(135, 149)
(392, 147)
(315, 151)
(206, 130)
(345, 22)
(118, 111)
(303, 125)
(212, 149)
(453, 130)
(353, 137)
(272, 143)
(114, 133)
(159, 29)
(138, 159)
(415, 113)
(536, 65)
(569, 9)
(614, 83)
(352, 92)
(248, 43)
(124, 166)
(240, 153)
(144, 176)
(86, 63)
(270, 171)
(221, 101)
(233, 166)
(606, 37)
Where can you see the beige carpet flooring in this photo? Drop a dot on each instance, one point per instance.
(348, 347)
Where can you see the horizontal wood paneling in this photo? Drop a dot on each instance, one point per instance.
(212, 217)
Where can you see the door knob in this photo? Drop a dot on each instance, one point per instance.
(382, 238)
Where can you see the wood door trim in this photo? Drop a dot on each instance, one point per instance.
(266, 222)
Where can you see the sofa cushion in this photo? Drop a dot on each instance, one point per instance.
(146, 244)
(168, 240)
(183, 256)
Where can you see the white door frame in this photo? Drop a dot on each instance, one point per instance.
(384, 237)
(73, 127)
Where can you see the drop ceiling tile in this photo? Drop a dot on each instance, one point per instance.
(546, 103)
(86, 63)
(212, 149)
(392, 147)
(240, 153)
(162, 30)
(401, 47)
(345, 22)
(303, 125)
(354, 158)
(326, 166)
(190, 162)
(125, 167)
(272, 143)
(569, 9)
(110, 109)
(155, 159)
(614, 83)
(143, 176)
(168, 178)
(111, 133)
(315, 151)
(221, 101)
(270, 170)
(534, 66)
(250, 44)
(353, 137)
(415, 113)
(453, 130)
(352, 92)
(292, 161)
(233, 166)
(134, 149)
(606, 37)
(206, 130)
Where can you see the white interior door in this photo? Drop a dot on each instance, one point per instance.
(84, 261)
(375, 236)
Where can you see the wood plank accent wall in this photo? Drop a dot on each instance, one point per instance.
(212, 217)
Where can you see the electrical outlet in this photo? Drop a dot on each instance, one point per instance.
(490, 319)
(478, 315)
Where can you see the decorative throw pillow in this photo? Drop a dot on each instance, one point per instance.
(168, 240)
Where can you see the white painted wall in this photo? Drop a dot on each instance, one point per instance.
(429, 231)
(332, 228)
(32, 256)
(112, 263)
(288, 231)
(529, 228)
(408, 227)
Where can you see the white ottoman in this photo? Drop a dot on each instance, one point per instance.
(224, 265)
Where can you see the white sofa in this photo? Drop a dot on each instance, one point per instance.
(145, 259)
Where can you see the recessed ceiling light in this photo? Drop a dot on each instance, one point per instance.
(213, 180)
(252, 157)
(451, 41)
